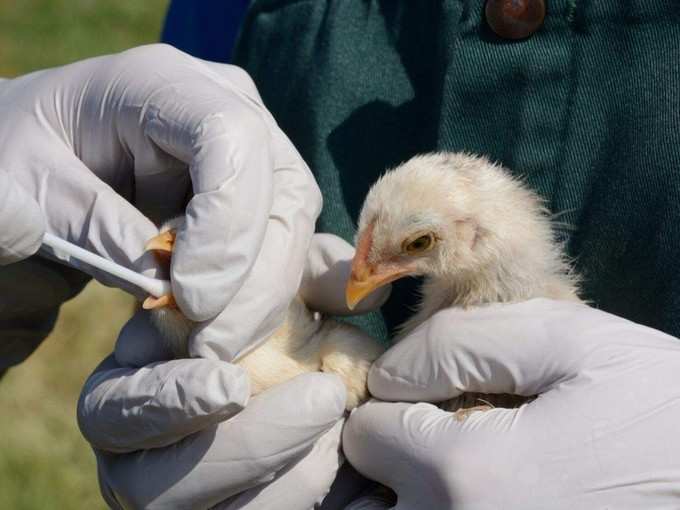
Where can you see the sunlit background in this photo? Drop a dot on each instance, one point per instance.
(44, 462)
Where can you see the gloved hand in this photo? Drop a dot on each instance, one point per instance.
(103, 146)
(175, 434)
(602, 434)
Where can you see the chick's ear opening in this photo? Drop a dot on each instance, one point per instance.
(467, 232)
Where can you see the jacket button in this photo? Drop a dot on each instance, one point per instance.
(515, 19)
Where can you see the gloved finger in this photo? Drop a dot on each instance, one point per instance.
(278, 427)
(424, 454)
(523, 349)
(259, 306)
(82, 209)
(348, 486)
(140, 343)
(329, 264)
(123, 409)
(21, 221)
(303, 484)
(236, 76)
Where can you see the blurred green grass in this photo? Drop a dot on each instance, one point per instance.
(35, 34)
(44, 462)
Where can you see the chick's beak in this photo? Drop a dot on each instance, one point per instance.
(366, 277)
(358, 287)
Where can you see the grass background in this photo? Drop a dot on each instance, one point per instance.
(44, 462)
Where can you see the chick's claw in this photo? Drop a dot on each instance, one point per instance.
(161, 246)
(151, 303)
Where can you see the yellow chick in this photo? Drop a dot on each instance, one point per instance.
(477, 234)
(305, 342)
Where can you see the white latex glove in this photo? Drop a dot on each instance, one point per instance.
(102, 145)
(21, 222)
(281, 451)
(602, 434)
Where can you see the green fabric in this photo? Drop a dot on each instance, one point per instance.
(587, 110)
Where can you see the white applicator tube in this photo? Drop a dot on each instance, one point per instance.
(153, 286)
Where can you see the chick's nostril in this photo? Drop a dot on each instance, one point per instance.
(361, 271)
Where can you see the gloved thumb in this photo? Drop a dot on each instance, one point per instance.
(21, 222)
(430, 459)
(325, 276)
(523, 349)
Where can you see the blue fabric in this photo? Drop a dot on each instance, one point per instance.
(207, 29)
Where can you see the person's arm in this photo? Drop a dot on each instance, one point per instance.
(602, 432)
(206, 29)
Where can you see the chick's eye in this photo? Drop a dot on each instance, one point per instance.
(419, 244)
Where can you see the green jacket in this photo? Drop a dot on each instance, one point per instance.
(587, 110)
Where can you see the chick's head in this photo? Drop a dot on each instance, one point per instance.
(436, 215)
